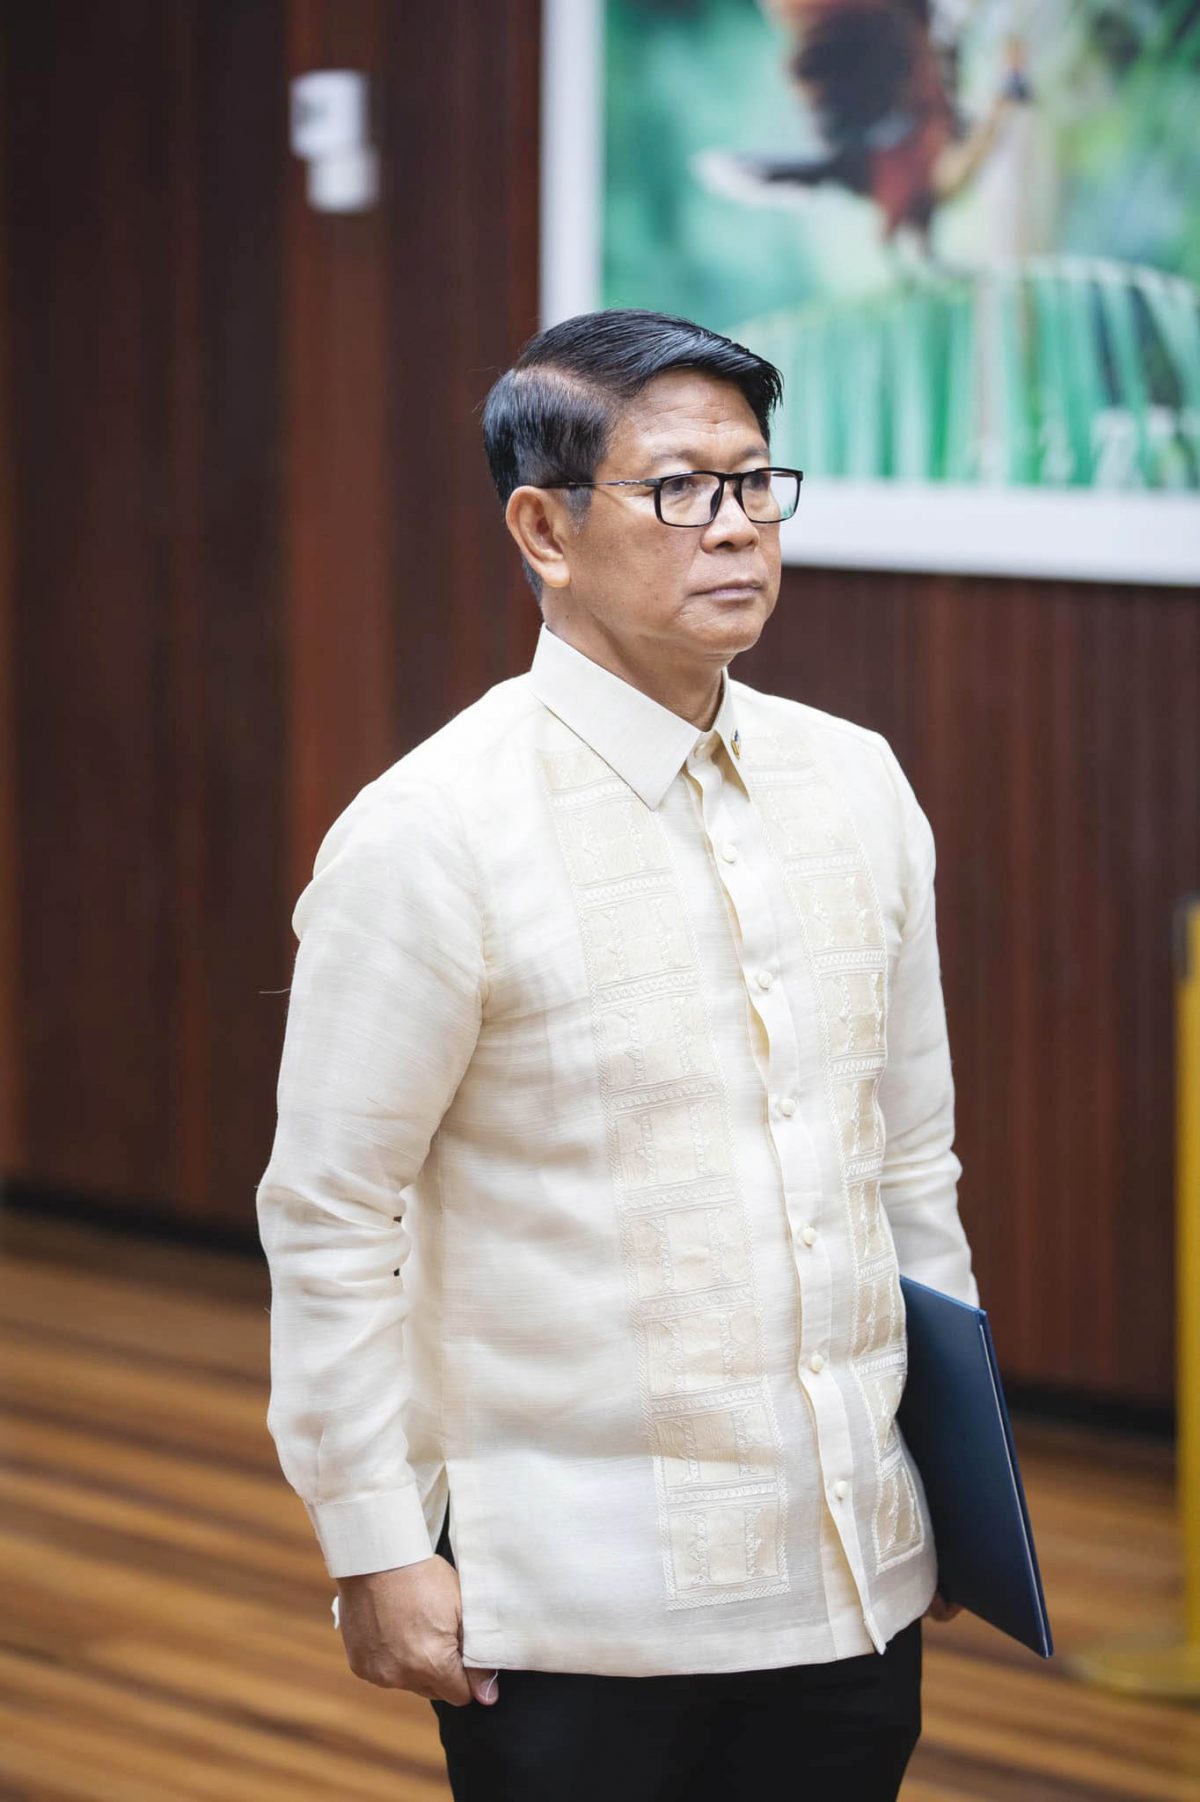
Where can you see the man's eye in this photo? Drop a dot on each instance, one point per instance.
(758, 480)
(675, 486)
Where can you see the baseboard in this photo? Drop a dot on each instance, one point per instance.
(140, 1220)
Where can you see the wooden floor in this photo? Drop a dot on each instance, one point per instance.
(164, 1613)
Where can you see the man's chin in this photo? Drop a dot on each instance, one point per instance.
(736, 623)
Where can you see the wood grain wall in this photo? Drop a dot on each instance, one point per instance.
(249, 555)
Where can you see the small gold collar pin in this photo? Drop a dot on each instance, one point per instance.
(736, 742)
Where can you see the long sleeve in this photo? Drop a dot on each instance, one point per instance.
(920, 1169)
(386, 1002)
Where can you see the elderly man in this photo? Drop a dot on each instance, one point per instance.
(615, 1097)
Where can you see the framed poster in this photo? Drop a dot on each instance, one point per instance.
(967, 232)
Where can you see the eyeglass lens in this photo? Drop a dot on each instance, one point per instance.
(767, 495)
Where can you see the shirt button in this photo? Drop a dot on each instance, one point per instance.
(817, 1363)
(764, 979)
(787, 1106)
(809, 1235)
(841, 1489)
(729, 853)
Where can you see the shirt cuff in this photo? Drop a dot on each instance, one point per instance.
(371, 1532)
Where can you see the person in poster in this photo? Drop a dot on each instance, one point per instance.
(882, 90)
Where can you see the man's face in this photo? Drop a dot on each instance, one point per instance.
(689, 594)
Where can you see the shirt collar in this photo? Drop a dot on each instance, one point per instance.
(640, 739)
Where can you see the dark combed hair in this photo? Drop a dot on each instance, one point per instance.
(551, 416)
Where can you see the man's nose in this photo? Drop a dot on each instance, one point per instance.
(732, 525)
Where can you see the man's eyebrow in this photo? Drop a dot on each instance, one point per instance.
(683, 458)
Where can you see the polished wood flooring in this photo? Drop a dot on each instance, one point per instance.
(165, 1633)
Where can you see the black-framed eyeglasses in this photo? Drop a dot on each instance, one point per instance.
(693, 497)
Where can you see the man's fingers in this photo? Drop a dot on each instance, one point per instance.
(452, 1687)
(442, 1682)
(941, 1610)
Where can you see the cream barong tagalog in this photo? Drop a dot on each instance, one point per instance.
(615, 1097)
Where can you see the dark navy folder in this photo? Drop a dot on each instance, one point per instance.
(955, 1423)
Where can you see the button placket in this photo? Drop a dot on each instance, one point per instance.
(734, 845)
(744, 890)
(721, 802)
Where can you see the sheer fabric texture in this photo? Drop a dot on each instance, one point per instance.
(615, 1097)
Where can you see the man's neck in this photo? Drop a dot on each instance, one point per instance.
(693, 695)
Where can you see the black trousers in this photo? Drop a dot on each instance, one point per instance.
(801, 1733)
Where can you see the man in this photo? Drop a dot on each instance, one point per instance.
(614, 1097)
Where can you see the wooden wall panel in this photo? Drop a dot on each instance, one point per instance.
(91, 784)
(257, 555)
(181, 433)
(242, 166)
(341, 630)
(10, 1072)
(403, 605)
(254, 556)
(144, 155)
(462, 252)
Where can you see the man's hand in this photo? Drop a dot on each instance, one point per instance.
(939, 1610)
(402, 1629)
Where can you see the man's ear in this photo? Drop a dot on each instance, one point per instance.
(540, 523)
